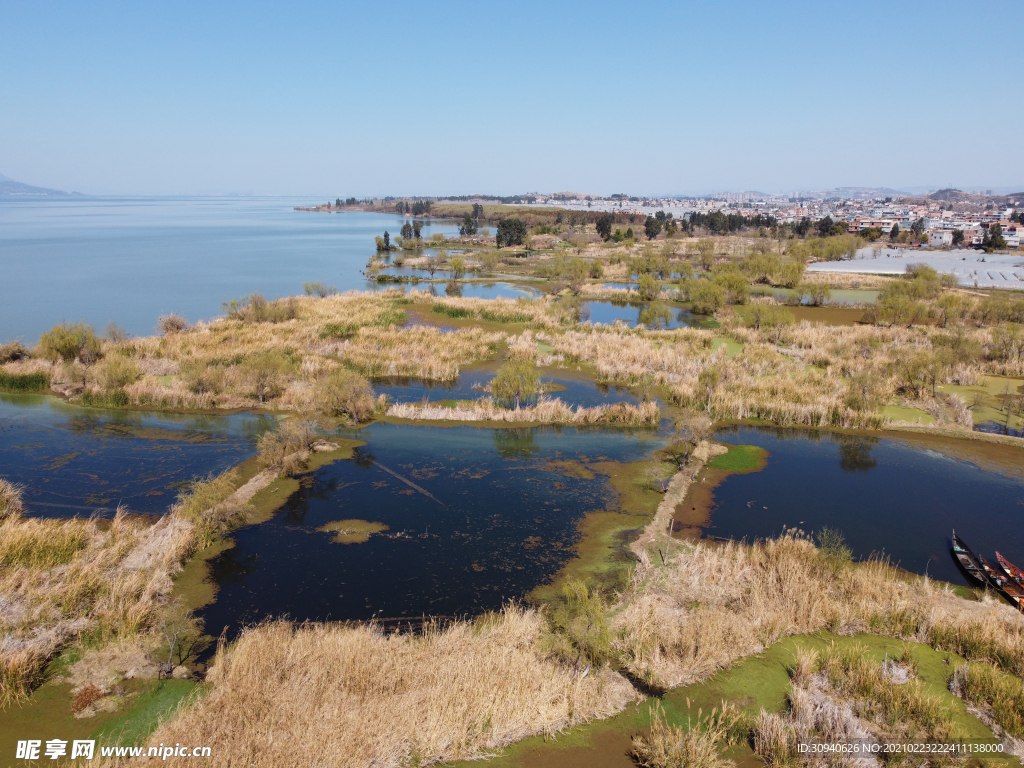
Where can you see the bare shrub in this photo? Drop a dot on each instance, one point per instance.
(321, 290)
(116, 372)
(13, 351)
(84, 697)
(256, 309)
(345, 394)
(171, 324)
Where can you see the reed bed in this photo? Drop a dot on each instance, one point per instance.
(713, 604)
(547, 411)
(420, 351)
(64, 579)
(344, 696)
(538, 312)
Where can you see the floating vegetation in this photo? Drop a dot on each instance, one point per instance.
(352, 531)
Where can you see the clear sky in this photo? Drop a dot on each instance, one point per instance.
(376, 98)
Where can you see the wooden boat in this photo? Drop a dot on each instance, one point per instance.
(1011, 569)
(997, 577)
(969, 561)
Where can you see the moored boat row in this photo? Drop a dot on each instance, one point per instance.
(1002, 576)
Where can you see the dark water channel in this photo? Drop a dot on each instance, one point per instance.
(80, 461)
(475, 517)
(886, 495)
(651, 315)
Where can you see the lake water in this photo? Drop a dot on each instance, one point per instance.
(130, 260)
(81, 461)
(884, 494)
(654, 315)
(482, 516)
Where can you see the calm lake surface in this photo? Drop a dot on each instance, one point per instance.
(80, 461)
(130, 260)
(883, 494)
(482, 516)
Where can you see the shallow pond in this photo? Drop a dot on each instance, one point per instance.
(470, 386)
(80, 461)
(475, 290)
(474, 517)
(900, 496)
(838, 295)
(654, 315)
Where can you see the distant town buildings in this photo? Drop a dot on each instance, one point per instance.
(935, 220)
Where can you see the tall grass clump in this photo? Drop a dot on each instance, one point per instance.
(256, 309)
(24, 382)
(695, 746)
(986, 686)
(206, 503)
(898, 707)
(10, 500)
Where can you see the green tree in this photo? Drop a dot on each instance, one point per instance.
(604, 225)
(516, 382)
(734, 285)
(894, 233)
(648, 287)
(958, 237)
(511, 231)
(68, 342)
(406, 231)
(707, 383)
(457, 268)
(468, 226)
(417, 227)
(993, 239)
(706, 297)
(574, 272)
(706, 253)
(652, 227)
(478, 211)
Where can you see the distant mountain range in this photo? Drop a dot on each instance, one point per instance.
(12, 188)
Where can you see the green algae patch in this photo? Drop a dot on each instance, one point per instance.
(732, 348)
(740, 459)
(352, 531)
(151, 708)
(752, 684)
(569, 468)
(988, 399)
(193, 585)
(48, 710)
(912, 415)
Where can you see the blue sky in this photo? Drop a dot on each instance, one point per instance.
(337, 98)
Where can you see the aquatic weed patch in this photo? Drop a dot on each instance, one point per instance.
(740, 459)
